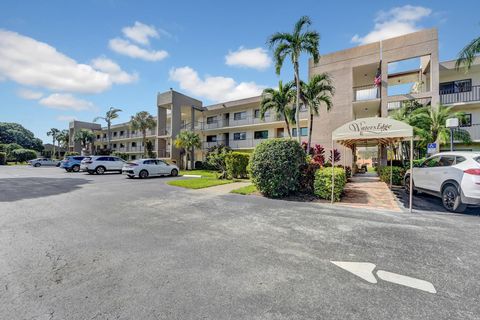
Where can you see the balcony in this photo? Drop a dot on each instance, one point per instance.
(234, 144)
(365, 93)
(474, 131)
(249, 120)
(164, 153)
(451, 97)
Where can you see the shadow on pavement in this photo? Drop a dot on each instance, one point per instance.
(426, 202)
(14, 189)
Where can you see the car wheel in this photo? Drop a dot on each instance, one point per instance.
(174, 172)
(407, 186)
(451, 199)
(68, 170)
(143, 174)
(100, 170)
(36, 165)
(76, 168)
(57, 165)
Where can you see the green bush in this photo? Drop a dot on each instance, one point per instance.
(3, 147)
(215, 159)
(307, 177)
(3, 158)
(71, 153)
(121, 155)
(275, 167)
(398, 173)
(323, 183)
(236, 164)
(22, 155)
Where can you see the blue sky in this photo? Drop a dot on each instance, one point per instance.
(60, 61)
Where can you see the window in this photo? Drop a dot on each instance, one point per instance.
(466, 121)
(133, 131)
(432, 162)
(122, 145)
(149, 162)
(104, 135)
(280, 133)
(104, 146)
(133, 157)
(121, 133)
(103, 159)
(114, 145)
(211, 120)
(240, 136)
(303, 132)
(115, 134)
(459, 159)
(256, 113)
(446, 161)
(134, 144)
(98, 136)
(240, 115)
(456, 86)
(211, 138)
(261, 134)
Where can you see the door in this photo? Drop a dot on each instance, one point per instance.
(423, 174)
(163, 167)
(440, 172)
(116, 163)
(151, 167)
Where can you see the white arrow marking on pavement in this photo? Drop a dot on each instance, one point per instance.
(406, 281)
(363, 270)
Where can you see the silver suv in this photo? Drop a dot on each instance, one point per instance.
(102, 164)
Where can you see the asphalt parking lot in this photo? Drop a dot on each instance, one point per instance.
(78, 246)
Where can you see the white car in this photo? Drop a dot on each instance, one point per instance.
(43, 162)
(102, 164)
(144, 168)
(453, 176)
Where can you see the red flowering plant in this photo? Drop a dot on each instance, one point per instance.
(316, 153)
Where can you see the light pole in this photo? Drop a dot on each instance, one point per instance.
(452, 123)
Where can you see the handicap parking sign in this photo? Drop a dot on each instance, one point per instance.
(431, 148)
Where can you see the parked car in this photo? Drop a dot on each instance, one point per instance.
(43, 162)
(101, 164)
(71, 163)
(144, 168)
(453, 176)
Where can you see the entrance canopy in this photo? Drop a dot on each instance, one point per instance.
(372, 131)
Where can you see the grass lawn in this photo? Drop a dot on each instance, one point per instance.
(245, 190)
(203, 173)
(198, 183)
(17, 163)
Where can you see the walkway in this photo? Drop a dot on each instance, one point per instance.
(367, 191)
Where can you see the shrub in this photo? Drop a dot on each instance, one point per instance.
(22, 155)
(3, 158)
(215, 159)
(3, 147)
(236, 164)
(275, 167)
(307, 177)
(398, 173)
(199, 165)
(348, 170)
(323, 183)
(121, 155)
(71, 153)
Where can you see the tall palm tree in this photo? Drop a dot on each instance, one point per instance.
(188, 140)
(62, 139)
(468, 54)
(143, 121)
(279, 100)
(85, 137)
(292, 45)
(54, 133)
(111, 114)
(319, 90)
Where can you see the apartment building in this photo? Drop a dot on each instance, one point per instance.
(371, 80)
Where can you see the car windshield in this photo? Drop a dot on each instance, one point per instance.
(477, 159)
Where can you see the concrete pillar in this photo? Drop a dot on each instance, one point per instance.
(192, 127)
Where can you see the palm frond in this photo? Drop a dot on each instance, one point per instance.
(303, 21)
(466, 57)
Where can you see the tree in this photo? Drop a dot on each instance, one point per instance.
(85, 137)
(215, 158)
(143, 121)
(22, 155)
(188, 140)
(279, 100)
(111, 114)
(64, 138)
(319, 90)
(466, 57)
(292, 45)
(54, 132)
(15, 133)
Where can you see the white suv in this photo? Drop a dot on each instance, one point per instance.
(453, 176)
(102, 164)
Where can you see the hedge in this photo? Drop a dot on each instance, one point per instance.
(3, 158)
(275, 167)
(22, 155)
(71, 153)
(398, 173)
(323, 183)
(236, 164)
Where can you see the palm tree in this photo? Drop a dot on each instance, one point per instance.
(466, 57)
(188, 140)
(293, 44)
(54, 133)
(143, 121)
(313, 93)
(279, 100)
(85, 137)
(111, 114)
(62, 139)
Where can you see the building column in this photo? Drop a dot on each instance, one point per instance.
(192, 127)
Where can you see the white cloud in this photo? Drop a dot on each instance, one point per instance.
(127, 48)
(213, 88)
(393, 23)
(64, 118)
(65, 101)
(256, 58)
(29, 94)
(140, 33)
(116, 74)
(34, 63)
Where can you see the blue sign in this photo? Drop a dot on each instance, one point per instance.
(431, 148)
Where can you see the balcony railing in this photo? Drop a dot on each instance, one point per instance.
(363, 93)
(234, 144)
(222, 123)
(474, 131)
(450, 97)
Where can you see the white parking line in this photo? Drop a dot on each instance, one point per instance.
(406, 281)
(360, 269)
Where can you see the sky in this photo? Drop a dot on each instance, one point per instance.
(64, 60)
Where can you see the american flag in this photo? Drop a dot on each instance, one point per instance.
(378, 78)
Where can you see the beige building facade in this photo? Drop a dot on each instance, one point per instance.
(371, 80)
